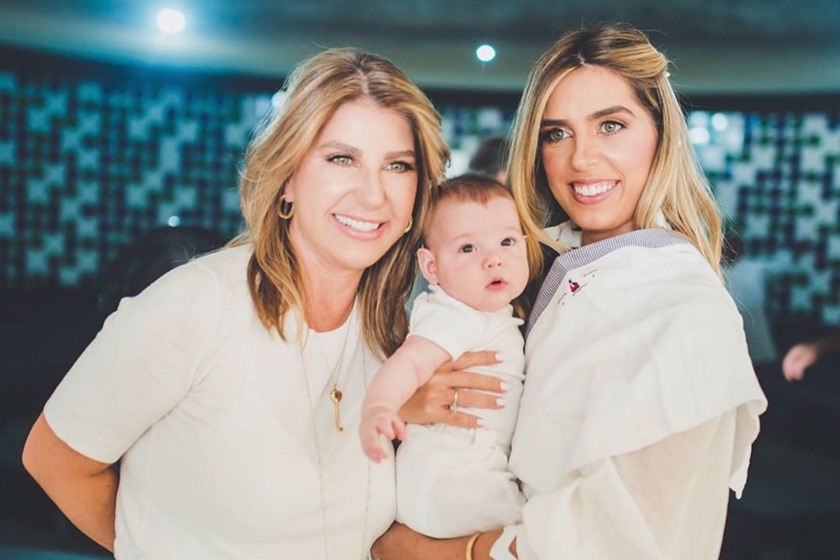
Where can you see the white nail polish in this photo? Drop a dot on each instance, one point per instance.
(501, 402)
(500, 357)
(504, 385)
(480, 422)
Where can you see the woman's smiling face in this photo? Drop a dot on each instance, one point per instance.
(597, 144)
(354, 189)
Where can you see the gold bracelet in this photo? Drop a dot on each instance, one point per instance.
(471, 544)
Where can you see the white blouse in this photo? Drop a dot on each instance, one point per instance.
(640, 405)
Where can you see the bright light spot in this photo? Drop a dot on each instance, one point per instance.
(173, 221)
(171, 21)
(485, 53)
(719, 122)
(698, 135)
(698, 118)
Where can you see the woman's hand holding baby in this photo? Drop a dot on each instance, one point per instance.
(435, 400)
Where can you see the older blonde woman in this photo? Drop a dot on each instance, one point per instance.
(229, 391)
(640, 404)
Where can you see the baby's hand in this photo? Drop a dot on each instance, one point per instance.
(378, 422)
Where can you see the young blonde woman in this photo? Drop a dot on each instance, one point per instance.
(229, 390)
(640, 403)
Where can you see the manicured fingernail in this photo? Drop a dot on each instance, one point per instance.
(480, 422)
(500, 402)
(504, 385)
(499, 357)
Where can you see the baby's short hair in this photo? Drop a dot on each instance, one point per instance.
(469, 187)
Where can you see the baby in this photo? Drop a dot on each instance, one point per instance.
(454, 481)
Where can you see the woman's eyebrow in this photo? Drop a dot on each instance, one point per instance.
(340, 146)
(553, 122)
(610, 111)
(400, 154)
(356, 152)
(594, 116)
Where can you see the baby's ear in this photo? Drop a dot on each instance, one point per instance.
(428, 268)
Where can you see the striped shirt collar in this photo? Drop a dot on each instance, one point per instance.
(582, 256)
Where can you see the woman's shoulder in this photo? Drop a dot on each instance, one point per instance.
(224, 259)
(201, 280)
(226, 265)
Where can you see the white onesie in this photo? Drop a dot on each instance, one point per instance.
(455, 481)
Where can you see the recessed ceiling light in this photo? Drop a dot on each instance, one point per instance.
(485, 53)
(171, 21)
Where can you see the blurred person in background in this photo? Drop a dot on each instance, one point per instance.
(805, 354)
(491, 158)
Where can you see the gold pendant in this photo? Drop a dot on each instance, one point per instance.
(335, 396)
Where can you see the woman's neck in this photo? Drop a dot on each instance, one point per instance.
(329, 290)
(329, 301)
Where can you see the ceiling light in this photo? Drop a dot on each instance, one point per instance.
(485, 53)
(171, 21)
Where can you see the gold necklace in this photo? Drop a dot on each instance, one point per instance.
(335, 393)
(335, 399)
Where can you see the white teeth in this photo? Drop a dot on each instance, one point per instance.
(356, 224)
(594, 189)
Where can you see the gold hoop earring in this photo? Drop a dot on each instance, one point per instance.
(287, 209)
(410, 223)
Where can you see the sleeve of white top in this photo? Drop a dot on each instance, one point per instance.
(665, 501)
(447, 322)
(139, 366)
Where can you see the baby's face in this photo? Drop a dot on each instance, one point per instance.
(476, 252)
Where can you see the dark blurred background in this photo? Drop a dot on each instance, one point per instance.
(120, 147)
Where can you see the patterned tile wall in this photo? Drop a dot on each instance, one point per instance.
(777, 180)
(86, 166)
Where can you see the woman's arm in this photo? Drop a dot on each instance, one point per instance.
(141, 364)
(401, 543)
(83, 489)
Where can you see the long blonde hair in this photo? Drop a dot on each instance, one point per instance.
(313, 93)
(676, 184)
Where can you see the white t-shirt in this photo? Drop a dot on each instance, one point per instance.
(208, 412)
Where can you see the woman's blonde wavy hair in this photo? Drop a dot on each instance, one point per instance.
(313, 93)
(676, 184)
